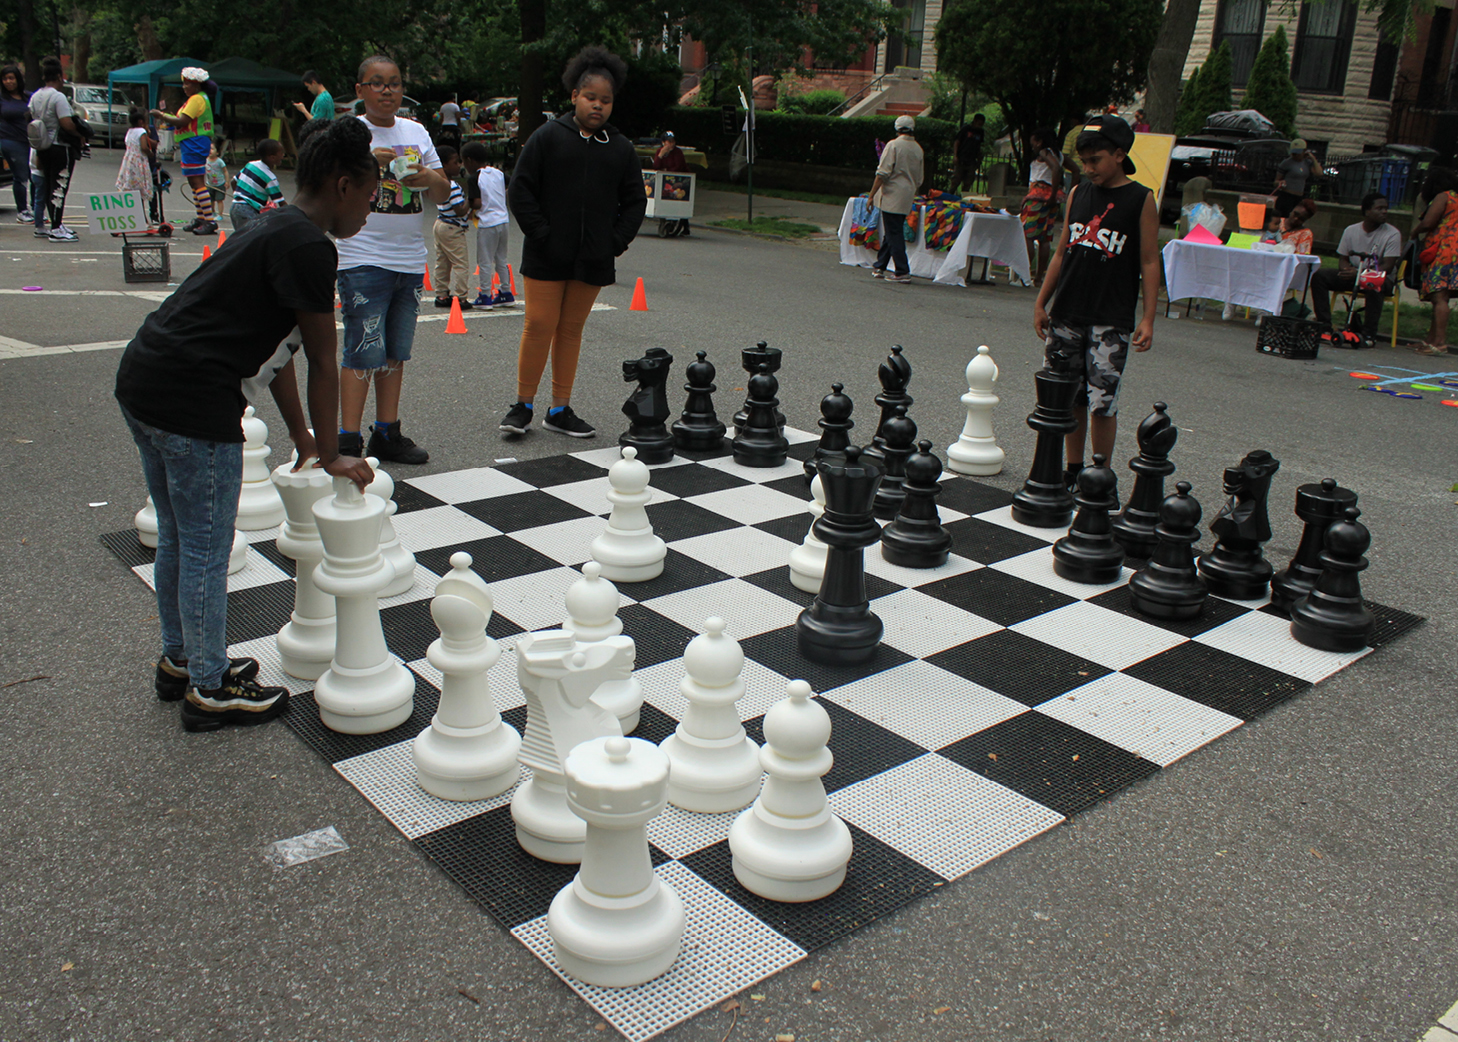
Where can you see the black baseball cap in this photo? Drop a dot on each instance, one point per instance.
(1108, 131)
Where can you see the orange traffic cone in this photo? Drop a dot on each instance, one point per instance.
(640, 299)
(428, 287)
(495, 283)
(478, 271)
(511, 279)
(222, 236)
(207, 252)
(457, 321)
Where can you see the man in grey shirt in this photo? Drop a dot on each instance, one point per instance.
(1368, 251)
(898, 176)
(1292, 175)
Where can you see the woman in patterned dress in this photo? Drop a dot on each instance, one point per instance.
(1042, 206)
(1439, 232)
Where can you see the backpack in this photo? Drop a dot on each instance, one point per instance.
(36, 131)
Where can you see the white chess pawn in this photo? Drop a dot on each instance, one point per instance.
(466, 753)
(401, 559)
(558, 676)
(258, 504)
(627, 549)
(238, 556)
(789, 846)
(592, 615)
(365, 690)
(616, 924)
(306, 642)
(146, 522)
(807, 561)
(976, 452)
(715, 764)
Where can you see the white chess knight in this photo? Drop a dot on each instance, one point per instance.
(616, 924)
(466, 753)
(788, 846)
(627, 549)
(258, 504)
(558, 676)
(976, 452)
(807, 561)
(592, 616)
(715, 764)
(365, 690)
(401, 559)
(306, 642)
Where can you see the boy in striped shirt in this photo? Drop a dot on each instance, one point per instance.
(451, 226)
(256, 187)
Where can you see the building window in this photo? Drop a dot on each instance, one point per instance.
(1240, 23)
(904, 48)
(1384, 70)
(1323, 45)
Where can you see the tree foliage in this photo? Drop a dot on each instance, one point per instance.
(1215, 76)
(1187, 120)
(1270, 89)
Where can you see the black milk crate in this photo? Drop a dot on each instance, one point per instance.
(1289, 337)
(146, 260)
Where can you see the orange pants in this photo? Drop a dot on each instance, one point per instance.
(555, 315)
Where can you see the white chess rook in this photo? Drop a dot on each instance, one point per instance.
(466, 753)
(558, 676)
(976, 451)
(258, 504)
(789, 846)
(401, 559)
(807, 561)
(146, 522)
(306, 642)
(616, 924)
(715, 764)
(365, 690)
(627, 549)
(592, 615)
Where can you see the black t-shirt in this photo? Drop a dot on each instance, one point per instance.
(1099, 280)
(185, 369)
(969, 142)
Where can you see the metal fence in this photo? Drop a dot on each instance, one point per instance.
(1344, 179)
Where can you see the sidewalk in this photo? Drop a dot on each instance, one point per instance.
(717, 206)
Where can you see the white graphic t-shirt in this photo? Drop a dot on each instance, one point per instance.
(394, 236)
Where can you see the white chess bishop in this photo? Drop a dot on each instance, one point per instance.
(466, 753)
(715, 764)
(258, 504)
(788, 846)
(401, 559)
(976, 451)
(306, 642)
(627, 549)
(592, 616)
(807, 561)
(616, 924)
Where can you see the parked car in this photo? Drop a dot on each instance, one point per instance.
(108, 120)
(1233, 148)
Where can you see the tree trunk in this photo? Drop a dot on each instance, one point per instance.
(530, 92)
(147, 41)
(1167, 64)
(29, 52)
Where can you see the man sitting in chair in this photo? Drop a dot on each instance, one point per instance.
(1366, 256)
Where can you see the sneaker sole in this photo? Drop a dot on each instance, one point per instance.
(195, 719)
(512, 430)
(547, 425)
(176, 690)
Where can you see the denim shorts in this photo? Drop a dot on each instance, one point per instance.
(379, 316)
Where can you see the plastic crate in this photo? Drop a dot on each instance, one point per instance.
(1289, 337)
(148, 261)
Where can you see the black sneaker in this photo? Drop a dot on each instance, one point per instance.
(241, 702)
(390, 446)
(205, 228)
(518, 418)
(569, 423)
(171, 682)
(351, 444)
(1070, 476)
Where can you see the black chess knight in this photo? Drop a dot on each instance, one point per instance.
(1235, 567)
(647, 407)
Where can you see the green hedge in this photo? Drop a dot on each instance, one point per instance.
(821, 140)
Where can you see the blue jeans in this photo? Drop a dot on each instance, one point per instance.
(17, 155)
(379, 316)
(194, 486)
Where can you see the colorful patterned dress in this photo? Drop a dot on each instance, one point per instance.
(135, 175)
(1441, 273)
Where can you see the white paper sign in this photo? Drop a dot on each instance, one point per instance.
(109, 212)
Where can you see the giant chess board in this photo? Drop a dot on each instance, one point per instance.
(1002, 701)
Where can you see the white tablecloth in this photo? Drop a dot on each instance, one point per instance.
(997, 236)
(1245, 278)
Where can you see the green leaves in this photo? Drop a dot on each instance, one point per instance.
(1270, 90)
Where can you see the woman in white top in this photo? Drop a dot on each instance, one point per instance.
(1043, 204)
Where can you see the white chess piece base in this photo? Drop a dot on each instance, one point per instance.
(616, 942)
(545, 827)
(789, 859)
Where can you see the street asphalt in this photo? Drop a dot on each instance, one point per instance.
(1292, 881)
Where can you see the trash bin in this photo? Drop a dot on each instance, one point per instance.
(1358, 176)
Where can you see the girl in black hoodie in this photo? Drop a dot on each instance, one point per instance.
(577, 194)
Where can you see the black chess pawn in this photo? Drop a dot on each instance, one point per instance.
(839, 626)
(1088, 553)
(698, 429)
(759, 442)
(894, 374)
(1134, 527)
(835, 424)
(1044, 500)
(1235, 567)
(1169, 587)
(752, 358)
(895, 450)
(1319, 505)
(647, 407)
(915, 537)
(1332, 616)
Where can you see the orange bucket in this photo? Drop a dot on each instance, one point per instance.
(1252, 216)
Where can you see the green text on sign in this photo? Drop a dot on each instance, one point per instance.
(112, 212)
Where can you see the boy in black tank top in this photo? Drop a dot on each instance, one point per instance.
(1109, 249)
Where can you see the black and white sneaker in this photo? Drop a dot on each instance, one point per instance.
(898, 277)
(241, 702)
(390, 446)
(565, 421)
(518, 418)
(877, 273)
(171, 682)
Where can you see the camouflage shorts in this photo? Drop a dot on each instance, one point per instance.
(1096, 355)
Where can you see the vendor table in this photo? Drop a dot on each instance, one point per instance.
(996, 236)
(1245, 278)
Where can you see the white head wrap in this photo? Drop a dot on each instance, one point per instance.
(192, 72)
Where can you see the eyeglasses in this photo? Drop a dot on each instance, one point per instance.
(395, 86)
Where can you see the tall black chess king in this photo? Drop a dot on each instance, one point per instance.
(1332, 616)
(1088, 553)
(1169, 587)
(752, 358)
(1319, 505)
(647, 407)
(1235, 567)
(915, 538)
(1044, 500)
(835, 424)
(894, 374)
(1134, 527)
(699, 429)
(839, 626)
(759, 442)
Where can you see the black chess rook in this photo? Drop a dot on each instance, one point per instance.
(915, 538)
(647, 407)
(1044, 500)
(1319, 505)
(835, 425)
(1089, 553)
(698, 429)
(1169, 587)
(1134, 527)
(1236, 567)
(1332, 616)
(760, 443)
(839, 625)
